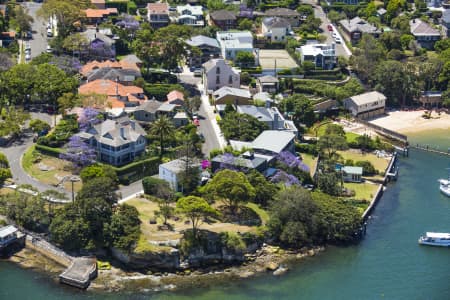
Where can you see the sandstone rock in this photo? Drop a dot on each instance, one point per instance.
(311, 253)
(272, 266)
(246, 274)
(280, 271)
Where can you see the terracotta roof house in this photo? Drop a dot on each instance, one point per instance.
(158, 14)
(119, 95)
(290, 15)
(117, 142)
(424, 33)
(224, 19)
(131, 61)
(99, 4)
(175, 97)
(123, 71)
(356, 27)
(96, 16)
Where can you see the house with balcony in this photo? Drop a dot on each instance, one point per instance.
(117, 142)
(209, 48)
(367, 105)
(356, 27)
(191, 15)
(233, 42)
(321, 55)
(275, 29)
(424, 33)
(158, 14)
(224, 19)
(217, 73)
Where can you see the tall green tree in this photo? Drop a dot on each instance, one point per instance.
(242, 127)
(195, 209)
(366, 57)
(21, 20)
(231, 187)
(124, 229)
(163, 128)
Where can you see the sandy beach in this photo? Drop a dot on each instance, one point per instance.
(412, 121)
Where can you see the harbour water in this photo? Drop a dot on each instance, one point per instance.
(387, 264)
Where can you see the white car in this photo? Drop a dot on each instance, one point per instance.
(49, 33)
(338, 40)
(49, 49)
(334, 34)
(27, 56)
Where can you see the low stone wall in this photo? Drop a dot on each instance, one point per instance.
(48, 250)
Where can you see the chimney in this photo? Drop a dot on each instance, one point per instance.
(122, 133)
(117, 87)
(133, 125)
(275, 121)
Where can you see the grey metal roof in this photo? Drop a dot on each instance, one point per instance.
(240, 161)
(167, 107)
(368, 98)
(150, 106)
(352, 170)
(7, 230)
(178, 165)
(421, 28)
(261, 113)
(222, 15)
(200, 40)
(131, 58)
(281, 11)
(117, 132)
(276, 22)
(92, 34)
(113, 74)
(226, 90)
(358, 24)
(273, 140)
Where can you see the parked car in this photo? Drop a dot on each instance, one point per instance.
(28, 34)
(49, 32)
(196, 122)
(49, 49)
(27, 56)
(338, 40)
(334, 34)
(330, 28)
(198, 72)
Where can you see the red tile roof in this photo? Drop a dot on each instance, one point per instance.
(99, 13)
(174, 95)
(158, 8)
(112, 89)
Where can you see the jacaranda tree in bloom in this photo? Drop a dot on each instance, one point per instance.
(292, 161)
(79, 153)
(285, 178)
(88, 118)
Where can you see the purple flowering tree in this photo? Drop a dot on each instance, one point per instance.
(101, 51)
(289, 160)
(79, 153)
(88, 118)
(68, 64)
(128, 22)
(285, 178)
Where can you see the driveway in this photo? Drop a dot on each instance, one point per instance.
(38, 42)
(341, 49)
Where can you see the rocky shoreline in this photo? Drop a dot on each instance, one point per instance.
(267, 260)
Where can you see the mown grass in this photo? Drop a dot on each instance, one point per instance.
(363, 191)
(262, 214)
(379, 163)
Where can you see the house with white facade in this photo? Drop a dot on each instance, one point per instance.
(232, 42)
(321, 55)
(367, 105)
(275, 28)
(217, 73)
(171, 171)
(190, 15)
(117, 142)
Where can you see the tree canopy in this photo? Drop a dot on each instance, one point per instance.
(242, 127)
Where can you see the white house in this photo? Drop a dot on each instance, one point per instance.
(190, 15)
(217, 73)
(367, 105)
(275, 28)
(171, 170)
(232, 42)
(321, 55)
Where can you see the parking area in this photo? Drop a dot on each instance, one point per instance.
(269, 59)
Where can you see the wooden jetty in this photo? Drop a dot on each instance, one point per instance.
(80, 273)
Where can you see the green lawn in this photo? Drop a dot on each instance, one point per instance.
(310, 160)
(379, 163)
(263, 215)
(351, 137)
(363, 191)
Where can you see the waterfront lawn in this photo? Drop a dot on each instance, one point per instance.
(379, 163)
(151, 232)
(32, 162)
(363, 191)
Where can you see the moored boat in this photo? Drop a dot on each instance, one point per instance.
(444, 186)
(435, 239)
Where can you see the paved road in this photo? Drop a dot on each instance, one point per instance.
(319, 13)
(39, 28)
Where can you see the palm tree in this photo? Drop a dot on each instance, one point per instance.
(162, 127)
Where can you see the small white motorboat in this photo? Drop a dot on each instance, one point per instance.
(435, 239)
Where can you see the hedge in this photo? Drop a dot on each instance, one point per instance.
(137, 170)
(160, 91)
(121, 5)
(50, 151)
